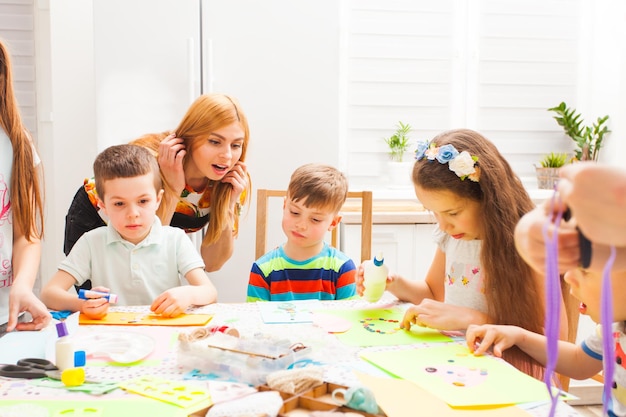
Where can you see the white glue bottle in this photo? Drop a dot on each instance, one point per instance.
(64, 348)
(375, 274)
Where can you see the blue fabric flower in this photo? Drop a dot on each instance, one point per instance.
(422, 147)
(446, 153)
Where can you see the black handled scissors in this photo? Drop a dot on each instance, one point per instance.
(31, 368)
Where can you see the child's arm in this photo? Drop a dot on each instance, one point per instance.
(56, 296)
(442, 316)
(572, 360)
(26, 256)
(415, 291)
(175, 301)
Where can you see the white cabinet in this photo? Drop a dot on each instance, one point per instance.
(121, 68)
(408, 247)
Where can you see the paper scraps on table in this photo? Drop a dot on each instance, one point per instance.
(452, 373)
(381, 327)
(285, 312)
(172, 392)
(139, 319)
(396, 396)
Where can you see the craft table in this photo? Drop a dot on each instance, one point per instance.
(339, 360)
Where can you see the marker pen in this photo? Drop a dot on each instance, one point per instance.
(89, 294)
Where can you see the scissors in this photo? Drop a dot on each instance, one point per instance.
(31, 368)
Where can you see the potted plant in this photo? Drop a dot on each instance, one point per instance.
(399, 143)
(548, 172)
(588, 139)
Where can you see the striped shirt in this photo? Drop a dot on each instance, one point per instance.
(330, 275)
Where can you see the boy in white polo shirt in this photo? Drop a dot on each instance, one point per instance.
(134, 256)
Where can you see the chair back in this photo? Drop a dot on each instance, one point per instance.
(263, 196)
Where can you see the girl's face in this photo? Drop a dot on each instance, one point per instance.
(587, 287)
(131, 204)
(306, 227)
(216, 155)
(456, 216)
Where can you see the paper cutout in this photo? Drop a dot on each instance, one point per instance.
(79, 412)
(459, 378)
(172, 392)
(330, 323)
(275, 312)
(120, 347)
(381, 327)
(138, 406)
(136, 319)
(396, 396)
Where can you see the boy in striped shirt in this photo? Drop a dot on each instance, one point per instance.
(306, 267)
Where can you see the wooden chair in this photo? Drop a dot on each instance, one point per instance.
(264, 195)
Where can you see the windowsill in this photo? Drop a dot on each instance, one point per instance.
(407, 193)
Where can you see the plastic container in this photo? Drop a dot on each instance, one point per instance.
(375, 274)
(246, 360)
(63, 348)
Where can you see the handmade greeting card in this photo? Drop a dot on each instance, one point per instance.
(452, 373)
(381, 327)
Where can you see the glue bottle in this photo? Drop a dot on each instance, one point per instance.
(375, 274)
(64, 348)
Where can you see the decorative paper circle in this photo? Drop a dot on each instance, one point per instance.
(330, 323)
(121, 347)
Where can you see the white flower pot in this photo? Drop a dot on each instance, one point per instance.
(399, 174)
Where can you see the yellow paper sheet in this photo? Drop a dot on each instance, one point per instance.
(138, 319)
(402, 398)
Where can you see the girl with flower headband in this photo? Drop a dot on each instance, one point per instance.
(476, 275)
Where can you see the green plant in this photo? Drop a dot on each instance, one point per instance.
(588, 139)
(399, 142)
(554, 160)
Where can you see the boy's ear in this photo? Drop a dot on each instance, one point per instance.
(159, 197)
(101, 205)
(334, 223)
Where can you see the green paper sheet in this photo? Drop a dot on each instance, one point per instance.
(110, 408)
(461, 379)
(382, 332)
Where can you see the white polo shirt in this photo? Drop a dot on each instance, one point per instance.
(136, 273)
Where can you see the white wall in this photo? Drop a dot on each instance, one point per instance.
(279, 58)
(282, 60)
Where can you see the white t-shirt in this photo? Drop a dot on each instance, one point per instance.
(464, 285)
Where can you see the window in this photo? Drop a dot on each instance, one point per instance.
(495, 66)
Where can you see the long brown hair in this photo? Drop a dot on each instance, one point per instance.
(207, 113)
(513, 295)
(26, 190)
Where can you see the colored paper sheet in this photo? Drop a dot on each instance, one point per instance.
(401, 398)
(459, 378)
(286, 312)
(131, 407)
(136, 319)
(381, 327)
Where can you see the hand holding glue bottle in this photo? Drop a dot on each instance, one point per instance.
(375, 274)
(97, 302)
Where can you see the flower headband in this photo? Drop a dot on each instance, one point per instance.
(462, 164)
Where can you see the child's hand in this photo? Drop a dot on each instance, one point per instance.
(439, 315)
(360, 288)
(480, 338)
(173, 302)
(531, 244)
(95, 308)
